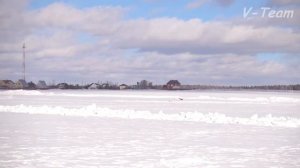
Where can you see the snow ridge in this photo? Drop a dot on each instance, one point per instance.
(205, 98)
(213, 118)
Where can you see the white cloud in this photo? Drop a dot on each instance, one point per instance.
(199, 3)
(285, 2)
(225, 2)
(127, 50)
(166, 35)
(171, 35)
(196, 4)
(98, 20)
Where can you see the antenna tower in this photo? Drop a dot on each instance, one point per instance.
(24, 66)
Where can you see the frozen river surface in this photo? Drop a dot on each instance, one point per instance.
(149, 129)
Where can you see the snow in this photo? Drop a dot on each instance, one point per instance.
(93, 110)
(84, 128)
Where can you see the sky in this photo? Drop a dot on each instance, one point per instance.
(193, 41)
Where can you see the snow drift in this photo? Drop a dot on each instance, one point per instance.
(94, 110)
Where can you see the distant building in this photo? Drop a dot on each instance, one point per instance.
(94, 86)
(123, 86)
(144, 84)
(7, 84)
(41, 85)
(21, 84)
(104, 86)
(31, 86)
(62, 86)
(172, 84)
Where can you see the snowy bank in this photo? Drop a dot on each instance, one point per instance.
(94, 110)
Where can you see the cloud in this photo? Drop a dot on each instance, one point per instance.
(196, 4)
(225, 2)
(171, 35)
(199, 3)
(290, 23)
(99, 43)
(13, 26)
(190, 68)
(284, 2)
(165, 35)
(95, 19)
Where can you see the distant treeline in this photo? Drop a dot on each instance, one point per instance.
(263, 87)
(144, 84)
(181, 87)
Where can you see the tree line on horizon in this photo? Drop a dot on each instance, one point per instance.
(144, 84)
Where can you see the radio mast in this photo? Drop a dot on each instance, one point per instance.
(24, 66)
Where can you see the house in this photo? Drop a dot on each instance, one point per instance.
(7, 84)
(173, 85)
(21, 84)
(123, 86)
(94, 86)
(109, 85)
(41, 85)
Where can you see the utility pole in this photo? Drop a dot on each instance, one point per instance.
(24, 66)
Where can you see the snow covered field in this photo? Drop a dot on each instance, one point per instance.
(85, 128)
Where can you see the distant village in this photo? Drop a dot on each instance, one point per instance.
(144, 84)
